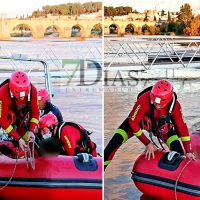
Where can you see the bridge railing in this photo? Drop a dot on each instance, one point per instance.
(142, 53)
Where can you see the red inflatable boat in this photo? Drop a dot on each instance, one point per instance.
(54, 178)
(195, 140)
(169, 176)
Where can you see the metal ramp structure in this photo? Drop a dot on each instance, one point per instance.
(62, 58)
(141, 53)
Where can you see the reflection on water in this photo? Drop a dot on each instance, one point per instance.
(117, 105)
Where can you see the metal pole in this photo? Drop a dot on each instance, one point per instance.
(47, 76)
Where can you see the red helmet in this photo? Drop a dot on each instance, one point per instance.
(43, 95)
(162, 92)
(19, 84)
(47, 120)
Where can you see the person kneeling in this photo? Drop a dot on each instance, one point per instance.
(72, 137)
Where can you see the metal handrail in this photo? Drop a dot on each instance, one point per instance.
(145, 54)
(48, 83)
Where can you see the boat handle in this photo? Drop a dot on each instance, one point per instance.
(171, 155)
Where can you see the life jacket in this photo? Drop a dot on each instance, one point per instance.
(84, 142)
(18, 117)
(165, 124)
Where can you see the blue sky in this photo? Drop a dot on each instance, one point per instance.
(141, 5)
(18, 8)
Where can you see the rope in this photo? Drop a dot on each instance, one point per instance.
(180, 176)
(31, 153)
(26, 157)
(12, 172)
(99, 154)
(151, 137)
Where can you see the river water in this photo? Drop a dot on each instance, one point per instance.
(118, 102)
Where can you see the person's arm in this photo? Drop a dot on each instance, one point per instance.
(135, 118)
(34, 117)
(56, 112)
(6, 125)
(182, 128)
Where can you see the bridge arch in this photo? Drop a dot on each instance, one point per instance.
(97, 29)
(130, 28)
(82, 31)
(57, 27)
(114, 29)
(26, 25)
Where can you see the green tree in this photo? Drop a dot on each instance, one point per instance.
(88, 7)
(109, 11)
(169, 17)
(162, 12)
(145, 18)
(164, 27)
(127, 10)
(194, 28)
(98, 6)
(106, 11)
(185, 14)
(119, 10)
(172, 27)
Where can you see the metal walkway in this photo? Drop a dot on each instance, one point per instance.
(147, 52)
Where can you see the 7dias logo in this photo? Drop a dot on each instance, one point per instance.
(89, 72)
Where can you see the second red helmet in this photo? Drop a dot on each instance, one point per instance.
(43, 95)
(162, 92)
(47, 120)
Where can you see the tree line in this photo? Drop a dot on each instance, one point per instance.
(185, 23)
(68, 9)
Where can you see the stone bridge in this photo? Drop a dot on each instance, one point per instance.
(37, 26)
(121, 24)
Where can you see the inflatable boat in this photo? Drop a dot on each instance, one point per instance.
(169, 176)
(195, 141)
(51, 178)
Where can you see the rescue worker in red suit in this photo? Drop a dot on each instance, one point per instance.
(158, 111)
(46, 106)
(16, 96)
(73, 137)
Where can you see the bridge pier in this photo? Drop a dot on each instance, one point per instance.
(39, 32)
(4, 29)
(67, 32)
(106, 30)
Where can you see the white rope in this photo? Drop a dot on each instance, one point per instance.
(12, 172)
(31, 153)
(180, 176)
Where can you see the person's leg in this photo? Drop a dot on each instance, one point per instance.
(122, 134)
(93, 149)
(173, 142)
